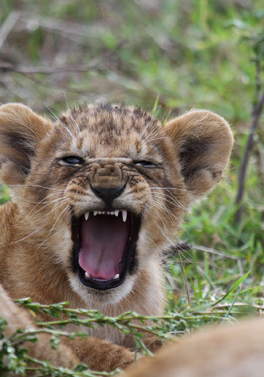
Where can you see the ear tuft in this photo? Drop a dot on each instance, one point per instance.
(203, 142)
(20, 132)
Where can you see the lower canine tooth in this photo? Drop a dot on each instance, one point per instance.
(116, 277)
(86, 275)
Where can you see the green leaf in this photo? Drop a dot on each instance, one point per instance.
(233, 288)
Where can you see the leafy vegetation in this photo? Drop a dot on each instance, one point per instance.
(171, 56)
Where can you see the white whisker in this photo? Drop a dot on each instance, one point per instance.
(69, 110)
(51, 230)
(166, 188)
(61, 123)
(47, 188)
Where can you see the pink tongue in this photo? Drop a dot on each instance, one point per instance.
(103, 242)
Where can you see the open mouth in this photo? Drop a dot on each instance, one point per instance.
(104, 247)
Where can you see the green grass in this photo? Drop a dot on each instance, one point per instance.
(172, 55)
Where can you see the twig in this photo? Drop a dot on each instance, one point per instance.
(44, 70)
(46, 369)
(62, 69)
(8, 26)
(243, 167)
(64, 27)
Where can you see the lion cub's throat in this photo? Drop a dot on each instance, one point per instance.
(103, 242)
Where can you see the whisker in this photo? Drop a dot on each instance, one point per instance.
(41, 202)
(60, 121)
(69, 110)
(47, 239)
(167, 188)
(63, 200)
(38, 228)
(151, 134)
(154, 133)
(171, 200)
(48, 188)
(147, 126)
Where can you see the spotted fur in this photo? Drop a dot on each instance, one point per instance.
(54, 171)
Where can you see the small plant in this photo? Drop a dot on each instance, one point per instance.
(14, 357)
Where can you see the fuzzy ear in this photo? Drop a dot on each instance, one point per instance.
(20, 132)
(203, 142)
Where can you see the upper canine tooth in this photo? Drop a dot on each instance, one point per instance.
(124, 215)
(86, 215)
(116, 213)
(95, 213)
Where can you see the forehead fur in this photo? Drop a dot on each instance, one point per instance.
(111, 125)
(105, 118)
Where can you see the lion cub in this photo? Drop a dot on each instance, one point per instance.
(96, 197)
(235, 350)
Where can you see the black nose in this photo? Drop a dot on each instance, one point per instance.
(108, 194)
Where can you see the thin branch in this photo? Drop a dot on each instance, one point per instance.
(243, 167)
(7, 26)
(65, 27)
(44, 70)
(94, 64)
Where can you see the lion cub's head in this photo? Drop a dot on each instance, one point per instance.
(101, 191)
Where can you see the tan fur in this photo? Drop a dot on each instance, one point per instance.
(158, 170)
(18, 318)
(226, 351)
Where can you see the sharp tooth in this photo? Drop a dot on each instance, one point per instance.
(116, 277)
(86, 275)
(86, 215)
(95, 213)
(116, 213)
(124, 215)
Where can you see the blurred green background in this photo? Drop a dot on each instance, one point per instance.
(168, 56)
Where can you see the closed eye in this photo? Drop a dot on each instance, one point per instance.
(71, 160)
(146, 164)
